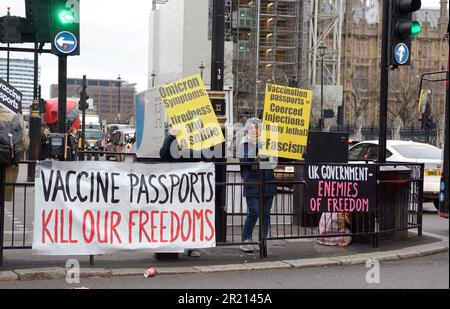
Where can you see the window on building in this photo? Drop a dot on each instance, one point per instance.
(245, 85)
(245, 17)
(243, 48)
(361, 78)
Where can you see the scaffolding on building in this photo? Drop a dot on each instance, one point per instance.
(326, 19)
(271, 39)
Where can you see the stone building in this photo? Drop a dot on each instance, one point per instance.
(105, 94)
(361, 66)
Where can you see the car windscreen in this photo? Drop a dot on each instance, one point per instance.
(94, 135)
(428, 152)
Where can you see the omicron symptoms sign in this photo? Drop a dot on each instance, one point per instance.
(340, 188)
(99, 207)
(190, 111)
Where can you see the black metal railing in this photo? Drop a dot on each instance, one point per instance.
(398, 208)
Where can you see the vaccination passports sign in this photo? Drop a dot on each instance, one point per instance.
(286, 118)
(190, 111)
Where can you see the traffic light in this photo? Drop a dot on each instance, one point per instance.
(38, 15)
(83, 104)
(65, 27)
(401, 30)
(42, 104)
(340, 115)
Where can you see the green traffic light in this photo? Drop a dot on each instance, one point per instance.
(66, 17)
(415, 28)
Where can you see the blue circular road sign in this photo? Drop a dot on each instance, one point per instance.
(401, 53)
(66, 42)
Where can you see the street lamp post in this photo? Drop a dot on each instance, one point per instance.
(118, 103)
(202, 68)
(153, 79)
(322, 49)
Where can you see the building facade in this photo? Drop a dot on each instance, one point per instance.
(361, 66)
(270, 46)
(105, 94)
(21, 76)
(180, 42)
(269, 43)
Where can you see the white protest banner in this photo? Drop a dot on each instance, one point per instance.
(103, 207)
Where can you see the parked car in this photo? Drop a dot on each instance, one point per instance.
(120, 142)
(407, 152)
(110, 128)
(95, 140)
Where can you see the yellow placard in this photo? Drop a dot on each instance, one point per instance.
(286, 118)
(190, 111)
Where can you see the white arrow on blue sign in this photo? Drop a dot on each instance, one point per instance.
(66, 42)
(401, 53)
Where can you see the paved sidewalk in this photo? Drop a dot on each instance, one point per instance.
(22, 265)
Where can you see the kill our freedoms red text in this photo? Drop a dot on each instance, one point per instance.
(103, 227)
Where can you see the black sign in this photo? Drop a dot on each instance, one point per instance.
(328, 113)
(340, 188)
(219, 107)
(10, 97)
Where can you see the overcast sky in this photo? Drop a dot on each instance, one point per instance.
(114, 40)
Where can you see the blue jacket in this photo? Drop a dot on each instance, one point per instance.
(247, 152)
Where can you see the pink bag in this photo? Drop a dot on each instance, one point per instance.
(332, 224)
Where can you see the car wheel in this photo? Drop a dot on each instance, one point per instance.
(436, 204)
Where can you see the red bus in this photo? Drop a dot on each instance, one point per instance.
(51, 114)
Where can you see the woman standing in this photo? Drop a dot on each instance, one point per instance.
(248, 151)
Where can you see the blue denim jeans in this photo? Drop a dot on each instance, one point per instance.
(253, 215)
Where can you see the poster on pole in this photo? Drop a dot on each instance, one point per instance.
(94, 208)
(286, 119)
(349, 188)
(190, 111)
(10, 97)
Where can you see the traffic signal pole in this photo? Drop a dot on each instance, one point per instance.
(83, 103)
(217, 76)
(384, 84)
(445, 181)
(35, 119)
(62, 93)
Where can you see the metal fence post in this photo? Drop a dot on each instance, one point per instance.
(420, 201)
(2, 209)
(262, 238)
(376, 240)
